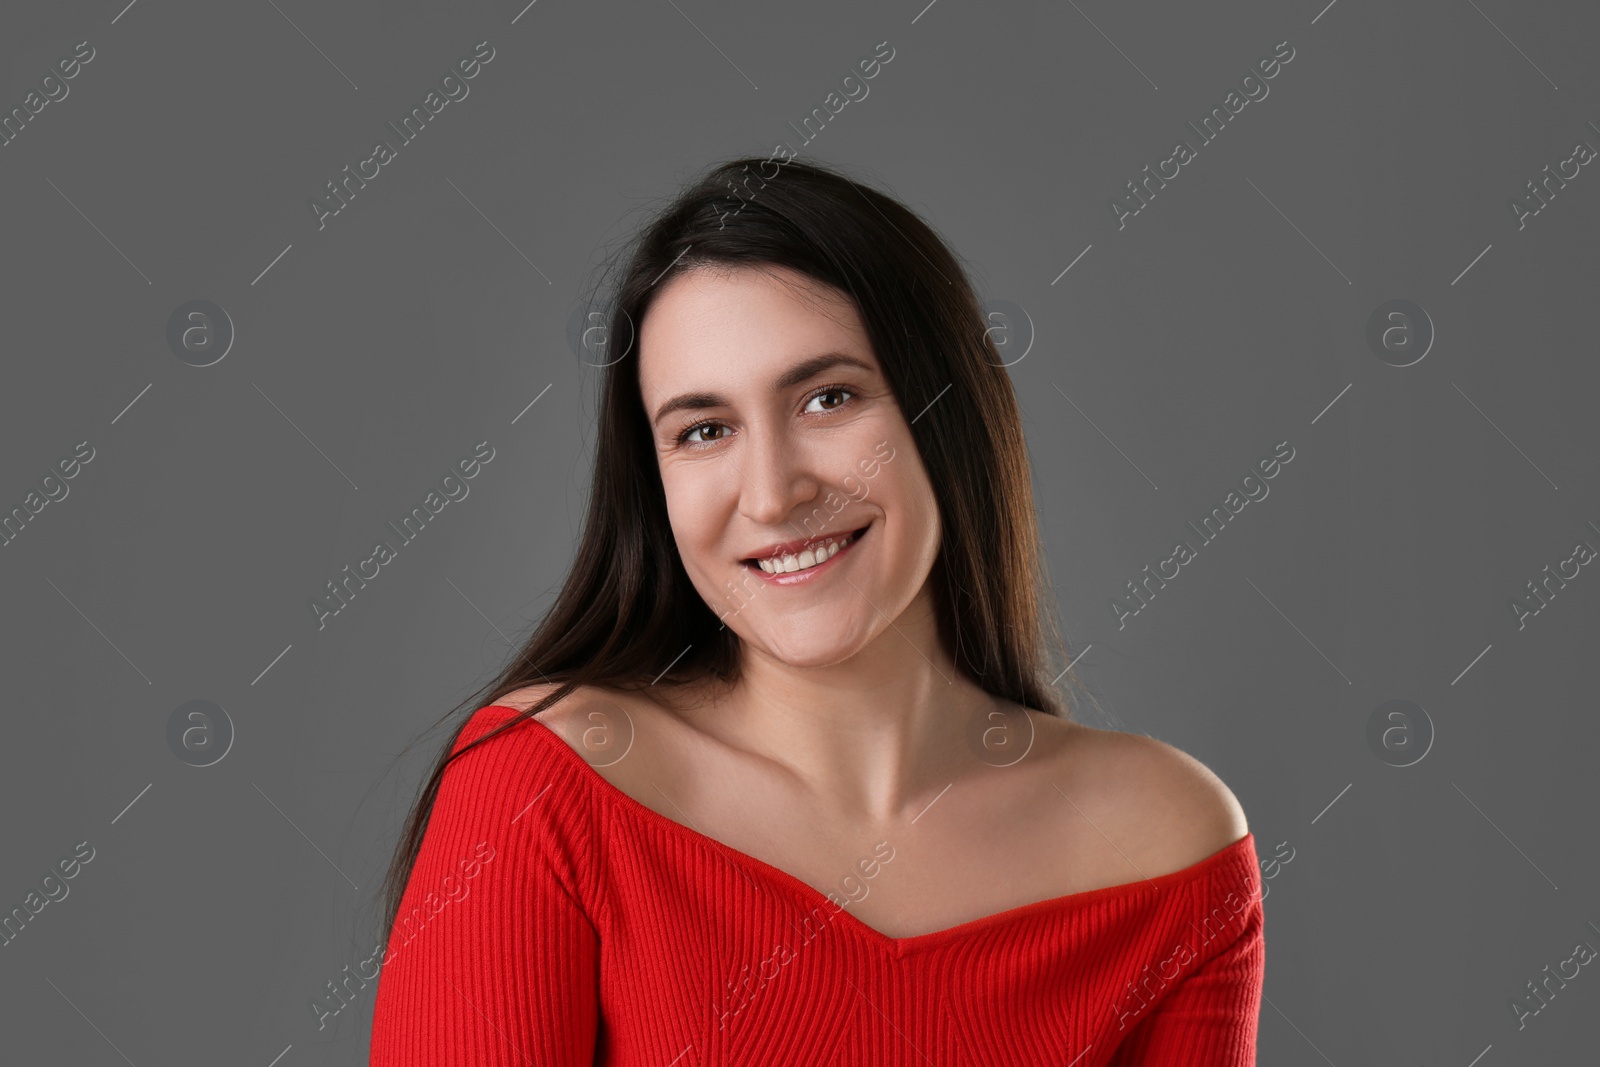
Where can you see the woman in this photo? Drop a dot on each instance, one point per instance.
(781, 777)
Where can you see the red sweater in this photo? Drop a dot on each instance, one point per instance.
(553, 920)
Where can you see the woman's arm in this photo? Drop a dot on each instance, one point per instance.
(1210, 1017)
(493, 959)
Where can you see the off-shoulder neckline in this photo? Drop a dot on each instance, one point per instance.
(621, 800)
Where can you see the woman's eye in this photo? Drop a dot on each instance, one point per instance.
(831, 392)
(687, 435)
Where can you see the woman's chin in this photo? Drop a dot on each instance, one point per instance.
(807, 651)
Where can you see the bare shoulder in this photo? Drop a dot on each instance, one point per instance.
(591, 720)
(526, 697)
(1164, 804)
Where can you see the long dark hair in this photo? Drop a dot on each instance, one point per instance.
(628, 608)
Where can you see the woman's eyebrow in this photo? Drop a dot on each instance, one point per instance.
(801, 372)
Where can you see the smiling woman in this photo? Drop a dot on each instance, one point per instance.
(681, 778)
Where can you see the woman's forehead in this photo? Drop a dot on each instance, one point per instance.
(744, 322)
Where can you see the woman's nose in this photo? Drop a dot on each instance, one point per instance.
(777, 477)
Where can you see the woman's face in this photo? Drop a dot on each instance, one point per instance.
(773, 424)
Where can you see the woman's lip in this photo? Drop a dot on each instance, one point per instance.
(755, 562)
(791, 577)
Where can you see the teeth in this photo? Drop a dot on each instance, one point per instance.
(809, 558)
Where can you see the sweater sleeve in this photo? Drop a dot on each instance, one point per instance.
(1209, 1018)
(493, 959)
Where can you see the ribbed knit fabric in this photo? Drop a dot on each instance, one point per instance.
(553, 920)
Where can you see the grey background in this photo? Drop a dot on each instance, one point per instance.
(373, 354)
